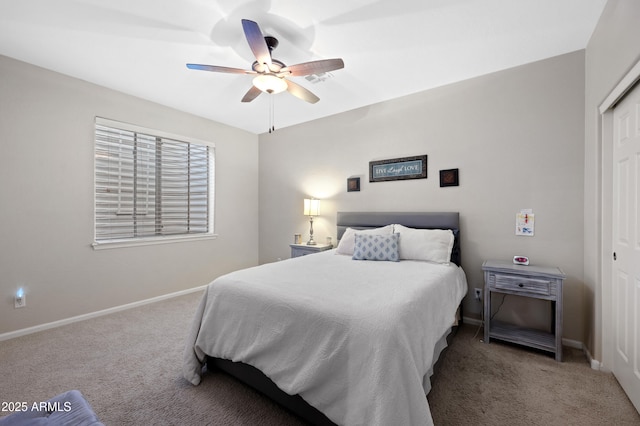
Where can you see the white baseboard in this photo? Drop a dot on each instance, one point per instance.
(573, 344)
(471, 321)
(595, 364)
(54, 324)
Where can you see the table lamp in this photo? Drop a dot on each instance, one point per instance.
(311, 209)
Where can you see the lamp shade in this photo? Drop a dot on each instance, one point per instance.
(311, 207)
(270, 83)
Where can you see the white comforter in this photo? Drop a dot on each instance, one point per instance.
(354, 338)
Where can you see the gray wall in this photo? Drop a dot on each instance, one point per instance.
(517, 137)
(46, 196)
(610, 54)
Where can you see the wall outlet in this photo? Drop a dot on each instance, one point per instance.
(20, 300)
(478, 294)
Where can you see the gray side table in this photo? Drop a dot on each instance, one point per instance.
(539, 282)
(303, 249)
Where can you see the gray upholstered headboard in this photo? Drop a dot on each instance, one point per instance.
(420, 220)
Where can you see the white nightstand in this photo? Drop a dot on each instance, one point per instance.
(303, 249)
(538, 282)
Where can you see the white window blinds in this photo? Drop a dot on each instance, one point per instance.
(149, 184)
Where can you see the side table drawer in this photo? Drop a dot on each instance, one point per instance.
(296, 252)
(522, 284)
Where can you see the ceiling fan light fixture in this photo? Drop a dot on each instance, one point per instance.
(270, 73)
(270, 83)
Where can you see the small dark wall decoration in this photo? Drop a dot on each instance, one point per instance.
(449, 177)
(353, 184)
(398, 169)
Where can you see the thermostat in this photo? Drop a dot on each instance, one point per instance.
(521, 260)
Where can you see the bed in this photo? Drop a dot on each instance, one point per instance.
(334, 339)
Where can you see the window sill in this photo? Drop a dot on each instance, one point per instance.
(151, 241)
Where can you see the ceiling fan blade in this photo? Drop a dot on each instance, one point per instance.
(215, 68)
(256, 42)
(300, 92)
(313, 67)
(251, 94)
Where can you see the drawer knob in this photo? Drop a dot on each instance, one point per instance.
(520, 285)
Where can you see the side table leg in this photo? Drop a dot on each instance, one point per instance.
(487, 312)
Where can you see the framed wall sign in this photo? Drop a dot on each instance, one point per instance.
(398, 169)
(353, 184)
(449, 177)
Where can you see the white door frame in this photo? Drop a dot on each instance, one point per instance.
(604, 307)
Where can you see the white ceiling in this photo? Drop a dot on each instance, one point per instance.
(390, 48)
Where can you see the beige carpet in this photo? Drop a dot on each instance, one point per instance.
(128, 367)
(502, 384)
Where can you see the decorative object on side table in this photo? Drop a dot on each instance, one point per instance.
(398, 169)
(537, 282)
(311, 209)
(449, 177)
(303, 249)
(520, 260)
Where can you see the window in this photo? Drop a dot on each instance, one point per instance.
(150, 186)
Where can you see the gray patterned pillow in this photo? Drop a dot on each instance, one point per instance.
(376, 247)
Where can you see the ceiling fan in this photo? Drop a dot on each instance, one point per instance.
(270, 73)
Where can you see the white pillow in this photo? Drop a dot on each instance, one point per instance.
(434, 245)
(348, 240)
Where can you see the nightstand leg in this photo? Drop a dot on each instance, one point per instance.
(487, 311)
(558, 326)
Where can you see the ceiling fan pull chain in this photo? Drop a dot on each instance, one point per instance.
(272, 127)
(273, 113)
(270, 107)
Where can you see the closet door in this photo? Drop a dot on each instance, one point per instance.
(626, 244)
